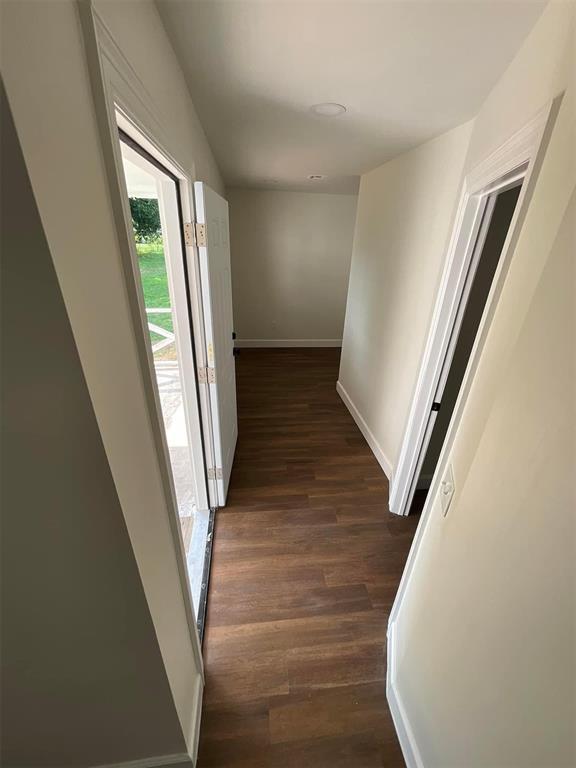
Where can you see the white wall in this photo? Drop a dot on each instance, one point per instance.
(485, 633)
(45, 71)
(291, 256)
(405, 211)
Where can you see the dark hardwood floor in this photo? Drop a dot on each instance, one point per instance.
(306, 563)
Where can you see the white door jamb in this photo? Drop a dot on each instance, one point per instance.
(514, 161)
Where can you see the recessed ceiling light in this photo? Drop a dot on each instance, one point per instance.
(315, 176)
(329, 109)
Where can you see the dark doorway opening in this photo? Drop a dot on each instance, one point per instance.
(501, 216)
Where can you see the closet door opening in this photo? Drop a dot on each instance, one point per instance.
(492, 235)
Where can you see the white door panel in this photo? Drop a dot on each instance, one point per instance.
(214, 257)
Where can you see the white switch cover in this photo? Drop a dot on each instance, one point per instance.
(447, 489)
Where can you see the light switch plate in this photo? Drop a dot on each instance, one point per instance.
(447, 488)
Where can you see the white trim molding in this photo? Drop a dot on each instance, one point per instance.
(160, 761)
(406, 737)
(512, 162)
(381, 457)
(248, 343)
(520, 157)
(117, 88)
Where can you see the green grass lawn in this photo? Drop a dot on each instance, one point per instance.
(155, 284)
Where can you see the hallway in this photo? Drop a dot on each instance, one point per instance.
(306, 564)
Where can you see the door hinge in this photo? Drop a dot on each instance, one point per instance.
(215, 474)
(200, 230)
(206, 375)
(194, 233)
(188, 233)
(436, 406)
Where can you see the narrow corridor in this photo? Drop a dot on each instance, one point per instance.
(306, 564)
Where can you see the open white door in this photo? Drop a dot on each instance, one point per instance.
(214, 254)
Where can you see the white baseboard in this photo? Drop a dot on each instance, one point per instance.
(365, 429)
(247, 343)
(404, 731)
(160, 761)
(180, 760)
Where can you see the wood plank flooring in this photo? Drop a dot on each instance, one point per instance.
(306, 563)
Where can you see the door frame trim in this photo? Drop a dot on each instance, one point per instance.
(184, 331)
(516, 160)
(117, 89)
(524, 150)
(132, 134)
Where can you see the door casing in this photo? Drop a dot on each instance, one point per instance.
(518, 159)
(514, 162)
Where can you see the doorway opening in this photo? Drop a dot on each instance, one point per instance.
(155, 208)
(490, 241)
